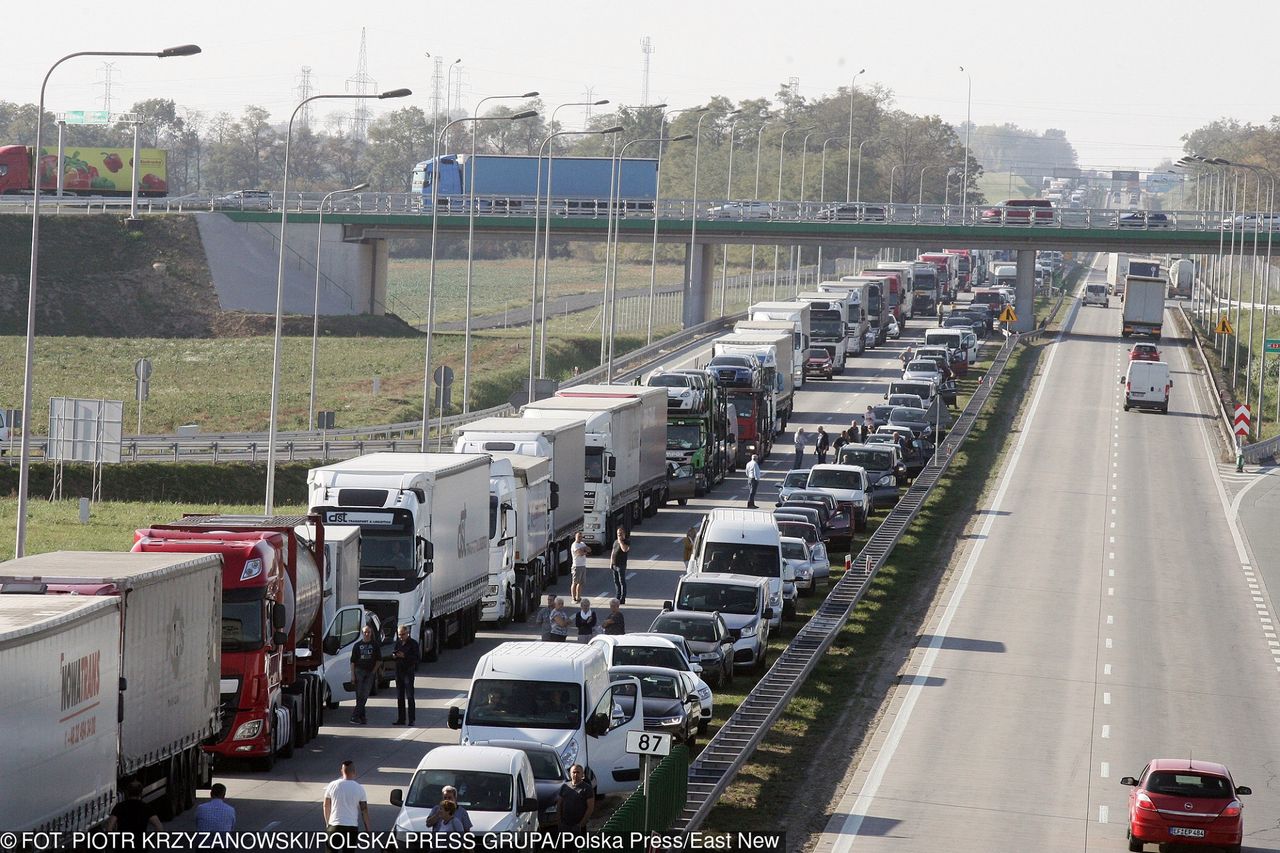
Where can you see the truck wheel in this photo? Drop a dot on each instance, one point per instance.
(287, 737)
(170, 805)
(191, 760)
(429, 642)
(683, 501)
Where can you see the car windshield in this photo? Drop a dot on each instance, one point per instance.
(594, 471)
(739, 558)
(242, 617)
(544, 762)
(707, 597)
(919, 389)
(819, 353)
(922, 364)
(904, 415)
(657, 686)
(743, 405)
(669, 380)
(795, 479)
(827, 328)
(730, 361)
(667, 658)
(1188, 783)
(796, 530)
(793, 551)
(910, 400)
(477, 792)
(698, 630)
(835, 478)
(873, 460)
(525, 704)
(683, 437)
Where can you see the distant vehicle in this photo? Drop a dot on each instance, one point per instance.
(856, 212)
(1181, 277)
(1185, 801)
(896, 400)
(818, 362)
(1144, 219)
(792, 481)
(1020, 211)
(707, 636)
(922, 370)
(884, 470)
(667, 698)
(244, 200)
(1144, 352)
(743, 210)
(848, 485)
(1251, 221)
(1147, 385)
(805, 566)
(578, 185)
(86, 172)
(1096, 294)
(892, 329)
(812, 537)
(742, 601)
(917, 420)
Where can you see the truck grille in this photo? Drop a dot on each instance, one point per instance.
(227, 708)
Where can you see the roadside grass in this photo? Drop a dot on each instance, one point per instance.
(995, 187)
(845, 689)
(1222, 357)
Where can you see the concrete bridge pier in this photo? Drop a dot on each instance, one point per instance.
(699, 284)
(1024, 304)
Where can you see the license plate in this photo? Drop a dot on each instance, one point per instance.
(1186, 832)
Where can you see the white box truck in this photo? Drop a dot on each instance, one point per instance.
(774, 353)
(857, 321)
(562, 442)
(142, 668)
(1143, 312)
(1181, 277)
(797, 313)
(1117, 269)
(520, 502)
(625, 464)
(829, 330)
(424, 526)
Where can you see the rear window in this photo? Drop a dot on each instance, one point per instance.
(1188, 783)
(1029, 202)
(1097, 288)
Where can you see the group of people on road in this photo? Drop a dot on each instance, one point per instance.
(367, 667)
(557, 624)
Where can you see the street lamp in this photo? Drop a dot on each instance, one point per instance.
(315, 309)
(24, 464)
(920, 200)
(284, 230)
(471, 236)
(431, 271)
(822, 186)
(537, 198)
(728, 195)
(858, 199)
(891, 173)
(755, 196)
(946, 192)
(653, 255)
(849, 166)
(777, 249)
(968, 124)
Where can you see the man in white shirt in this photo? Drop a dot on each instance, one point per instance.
(753, 481)
(346, 805)
(579, 551)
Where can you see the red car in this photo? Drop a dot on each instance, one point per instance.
(1184, 801)
(1144, 352)
(1020, 211)
(818, 362)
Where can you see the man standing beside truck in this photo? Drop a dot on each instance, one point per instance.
(366, 665)
(618, 562)
(406, 655)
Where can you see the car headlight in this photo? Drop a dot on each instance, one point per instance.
(712, 656)
(684, 395)
(569, 755)
(491, 589)
(775, 598)
(886, 480)
(704, 693)
(671, 721)
(748, 630)
(805, 572)
(248, 731)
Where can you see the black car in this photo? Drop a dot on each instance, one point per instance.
(983, 317)
(964, 321)
(707, 637)
(917, 420)
(802, 513)
(548, 775)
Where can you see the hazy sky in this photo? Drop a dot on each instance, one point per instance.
(1120, 77)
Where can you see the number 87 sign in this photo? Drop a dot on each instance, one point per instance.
(648, 743)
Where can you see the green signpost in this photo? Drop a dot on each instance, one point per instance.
(87, 117)
(1272, 345)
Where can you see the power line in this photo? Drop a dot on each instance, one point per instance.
(361, 84)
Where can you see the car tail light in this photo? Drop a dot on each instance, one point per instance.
(1144, 803)
(1233, 809)
(1128, 386)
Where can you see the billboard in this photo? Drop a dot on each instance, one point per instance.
(85, 430)
(104, 170)
(1126, 177)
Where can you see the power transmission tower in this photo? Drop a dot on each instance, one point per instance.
(437, 82)
(646, 47)
(589, 98)
(793, 83)
(304, 92)
(107, 69)
(361, 84)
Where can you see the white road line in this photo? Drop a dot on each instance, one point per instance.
(1106, 732)
(1106, 698)
(1111, 590)
(1105, 770)
(1104, 814)
(1106, 669)
(853, 809)
(1111, 620)
(1111, 573)
(1108, 642)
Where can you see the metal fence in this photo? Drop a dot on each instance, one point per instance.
(668, 787)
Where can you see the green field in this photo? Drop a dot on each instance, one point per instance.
(995, 187)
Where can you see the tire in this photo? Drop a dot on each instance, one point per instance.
(170, 805)
(727, 678)
(762, 662)
(1135, 846)
(430, 651)
(302, 725)
(1126, 407)
(190, 763)
(683, 501)
(286, 750)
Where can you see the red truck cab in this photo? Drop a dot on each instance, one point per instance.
(15, 169)
(964, 269)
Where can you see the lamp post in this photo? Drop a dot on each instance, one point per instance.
(653, 253)
(547, 236)
(946, 193)
(24, 463)
(315, 308)
(822, 185)
(891, 173)
(777, 249)
(858, 197)
(849, 166)
(804, 156)
(920, 200)
(728, 196)
(537, 197)
(693, 216)
(755, 196)
(968, 124)
(269, 501)
(431, 276)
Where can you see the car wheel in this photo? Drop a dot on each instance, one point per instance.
(727, 677)
(1135, 846)
(683, 501)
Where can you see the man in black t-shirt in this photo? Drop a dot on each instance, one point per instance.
(618, 563)
(132, 815)
(366, 664)
(575, 802)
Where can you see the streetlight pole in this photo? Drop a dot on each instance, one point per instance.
(315, 308)
(471, 237)
(431, 276)
(946, 192)
(693, 215)
(858, 197)
(804, 156)
(848, 176)
(269, 501)
(547, 233)
(920, 200)
(24, 464)
(755, 196)
(653, 252)
(822, 185)
(777, 249)
(537, 197)
(968, 125)
(728, 196)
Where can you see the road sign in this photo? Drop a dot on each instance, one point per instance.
(142, 369)
(1272, 345)
(648, 743)
(1224, 327)
(87, 117)
(443, 375)
(1007, 315)
(1241, 420)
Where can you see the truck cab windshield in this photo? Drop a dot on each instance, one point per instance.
(242, 619)
(683, 437)
(595, 465)
(386, 552)
(525, 704)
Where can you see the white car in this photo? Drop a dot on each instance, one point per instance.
(802, 562)
(685, 392)
(495, 785)
(1095, 294)
(922, 370)
(642, 649)
(848, 485)
(244, 200)
(743, 210)
(892, 329)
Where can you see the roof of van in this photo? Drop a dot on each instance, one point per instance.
(724, 578)
(506, 425)
(533, 658)
(486, 759)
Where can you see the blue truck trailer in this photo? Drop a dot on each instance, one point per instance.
(578, 184)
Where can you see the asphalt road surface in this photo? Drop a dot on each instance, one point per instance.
(1104, 611)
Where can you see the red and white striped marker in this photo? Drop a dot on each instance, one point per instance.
(1241, 420)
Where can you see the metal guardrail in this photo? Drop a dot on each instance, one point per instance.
(726, 753)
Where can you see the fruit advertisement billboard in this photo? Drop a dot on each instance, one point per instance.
(107, 171)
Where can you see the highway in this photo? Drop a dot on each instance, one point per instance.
(1105, 610)
(289, 797)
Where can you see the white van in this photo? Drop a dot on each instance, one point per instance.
(1096, 294)
(1147, 386)
(558, 694)
(965, 342)
(495, 785)
(743, 604)
(742, 542)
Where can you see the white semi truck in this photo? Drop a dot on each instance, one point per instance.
(625, 463)
(857, 321)
(424, 522)
(1143, 312)
(519, 534)
(110, 668)
(797, 313)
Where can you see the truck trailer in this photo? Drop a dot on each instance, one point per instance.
(110, 663)
(575, 185)
(1143, 312)
(91, 172)
(773, 352)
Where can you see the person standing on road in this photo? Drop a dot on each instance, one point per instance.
(544, 616)
(940, 314)
(842, 438)
(559, 620)
(753, 481)
(585, 620)
(614, 622)
(448, 816)
(618, 563)
(575, 802)
(822, 446)
(133, 816)
(799, 448)
(346, 806)
(406, 654)
(690, 536)
(869, 419)
(366, 666)
(216, 815)
(579, 550)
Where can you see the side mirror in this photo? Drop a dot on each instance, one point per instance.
(279, 616)
(1243, 791)
(428, 556)
(597, 725)
(330, 645)
(555, 496)
(668, 606)
(768, 614)
(279, 638)
(397, 797)
(1129, 780)
(455, 717)
(613, 466)
(1119, 380)
(529, 804)
(696, 668)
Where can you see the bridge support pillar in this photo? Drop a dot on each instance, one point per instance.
(699, 285)
(1025, 298)
(379, 255)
